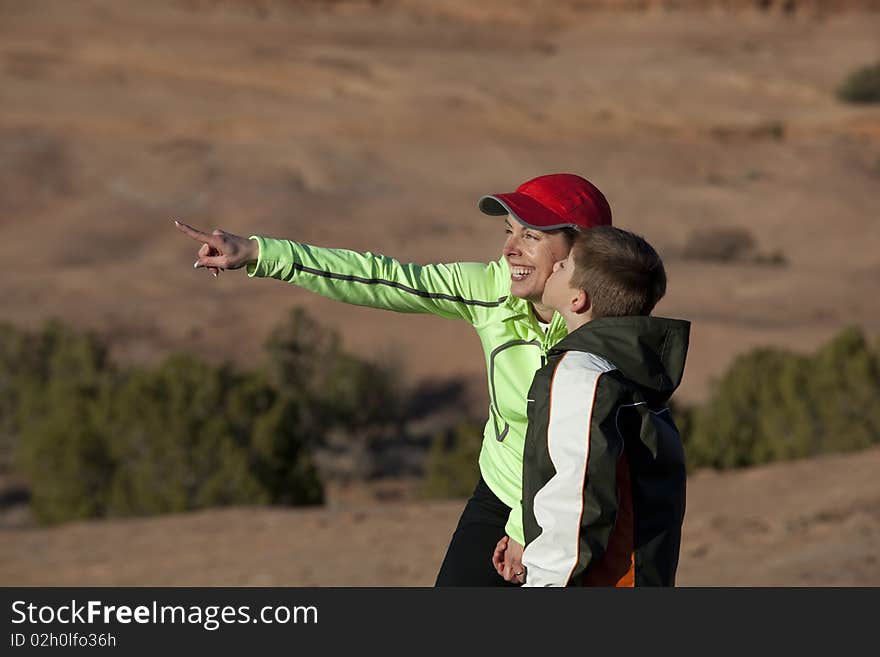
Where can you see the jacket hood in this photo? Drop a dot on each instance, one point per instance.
(650, 351)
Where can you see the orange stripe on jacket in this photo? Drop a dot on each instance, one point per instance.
(617, 565)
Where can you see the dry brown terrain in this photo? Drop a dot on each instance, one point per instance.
(377, 126)
(808, 523)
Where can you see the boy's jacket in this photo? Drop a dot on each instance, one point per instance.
(604, 466)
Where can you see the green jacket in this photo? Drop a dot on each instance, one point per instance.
(478, 293)
(604, 466)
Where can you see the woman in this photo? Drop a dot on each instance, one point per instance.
(501, 300)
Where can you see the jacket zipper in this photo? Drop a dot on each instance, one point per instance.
(545, 338)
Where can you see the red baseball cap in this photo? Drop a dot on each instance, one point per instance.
(558, 200)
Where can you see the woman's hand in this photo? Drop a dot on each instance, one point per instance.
(507, 560)
(498, 555)
(221, 250)
(513, 570)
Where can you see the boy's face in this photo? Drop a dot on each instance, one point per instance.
(558, 292)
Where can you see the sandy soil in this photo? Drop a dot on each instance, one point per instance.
(806, 523)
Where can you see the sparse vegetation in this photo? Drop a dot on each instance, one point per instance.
(452, 468)
(96, 440)
(861, 86)
(347, 405)
(773, 404)
(770, 129)
(727, 244)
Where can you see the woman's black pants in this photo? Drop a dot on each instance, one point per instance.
(468, 560)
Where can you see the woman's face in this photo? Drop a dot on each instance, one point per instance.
(531, 255)
(558, 292)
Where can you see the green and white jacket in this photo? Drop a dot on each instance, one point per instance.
(479, 293)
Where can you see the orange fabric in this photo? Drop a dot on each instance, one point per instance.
(617, 565)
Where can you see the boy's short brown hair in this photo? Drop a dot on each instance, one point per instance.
(620, 272)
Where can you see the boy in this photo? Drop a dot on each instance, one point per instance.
(603, 466)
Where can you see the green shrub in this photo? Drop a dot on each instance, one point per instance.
(95, 440)
(452, 468)
(344, 404)
(181, 440)
(63, 382)
(13, 350)
(306, 361)
(773, 405)
(862, 85)
(185, 435)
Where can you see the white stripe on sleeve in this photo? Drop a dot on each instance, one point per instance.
(551, 558)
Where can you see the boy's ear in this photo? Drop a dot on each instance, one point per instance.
(580, 303)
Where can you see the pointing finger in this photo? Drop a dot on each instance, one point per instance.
(198, 235)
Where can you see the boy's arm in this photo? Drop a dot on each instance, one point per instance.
(456, 290)
(578, 506)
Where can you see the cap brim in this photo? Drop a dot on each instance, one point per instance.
(525, 210)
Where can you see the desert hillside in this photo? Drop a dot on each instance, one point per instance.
(377, 126)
